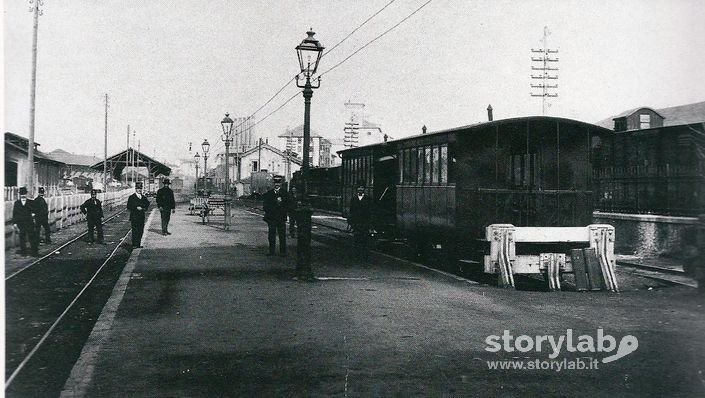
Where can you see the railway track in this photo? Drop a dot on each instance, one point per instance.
(52, 305)
(662, 274)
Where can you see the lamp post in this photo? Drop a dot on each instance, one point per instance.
(197, 158)
(227, 124)
(309, 53)
(206, 147)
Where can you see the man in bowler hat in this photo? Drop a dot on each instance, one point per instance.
(137, 204)
(166, 204)
(23, 221)
(360, 219)
(93, 210)
(276, 203)
(41, 217)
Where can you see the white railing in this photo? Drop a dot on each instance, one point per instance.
(64, 211)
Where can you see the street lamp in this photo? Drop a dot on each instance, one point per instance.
(309, 52)
(197, 158)
(227, 124)
(206, 147)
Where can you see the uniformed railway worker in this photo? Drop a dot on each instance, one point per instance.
(276, 204)
(166, 204)
(137, 204)
(23, 222)
(41, 216)
(93, 210)
(360, 220)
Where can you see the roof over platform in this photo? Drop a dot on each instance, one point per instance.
(131, 157)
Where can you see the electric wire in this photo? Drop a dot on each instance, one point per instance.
(376, 38)
(220, 142)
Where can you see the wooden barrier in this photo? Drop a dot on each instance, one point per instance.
(64, 211)
(594, 267)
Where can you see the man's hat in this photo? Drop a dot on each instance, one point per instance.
(41, 189)
(138, 185)
(94, 191)
(166, 181)
(23, 190)
(278, 179)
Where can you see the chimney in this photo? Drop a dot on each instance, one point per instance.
(423, 129)
(489, 112)
(386, 137)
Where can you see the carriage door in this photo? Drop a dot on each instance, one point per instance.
(384, 190)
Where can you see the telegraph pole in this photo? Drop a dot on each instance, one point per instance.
(105, 148)
(127, 154)
(542, 65)
(32, 97)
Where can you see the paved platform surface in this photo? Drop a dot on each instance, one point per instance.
(204, 313)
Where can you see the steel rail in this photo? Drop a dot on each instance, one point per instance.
(53, 251)
(53, 326)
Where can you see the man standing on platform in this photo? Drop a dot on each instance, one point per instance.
(23, 222)
(166, 204)
(360, 219)
(93, 210)
(41, 218)
(137, 204)
(275, 206)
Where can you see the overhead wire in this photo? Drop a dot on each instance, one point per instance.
(221, 143)
(376, 38)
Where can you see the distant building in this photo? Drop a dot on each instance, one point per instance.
(319, 150)
(48, 172)
(644, 118)
(77, 168)
(654, 162)
(258, 158)
(363, 133)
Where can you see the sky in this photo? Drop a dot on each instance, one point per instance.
(172, 69)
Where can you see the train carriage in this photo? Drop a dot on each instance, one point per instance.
(443, 188)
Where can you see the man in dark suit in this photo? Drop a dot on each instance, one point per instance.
(23, 222)
(276, 203)
(166, 204)
(360, 219)
(41, 217)
(137, 204)
(93, 210)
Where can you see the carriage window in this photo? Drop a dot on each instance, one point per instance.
(413, 167)
(436, 164)
(443, 165)
(523, 172)
(401, 167)
(452, 162)
(419, 163)
(427, 165)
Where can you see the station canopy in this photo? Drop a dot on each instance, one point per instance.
(131, 157)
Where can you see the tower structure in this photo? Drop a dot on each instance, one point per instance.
(351, 129)
(544, 70)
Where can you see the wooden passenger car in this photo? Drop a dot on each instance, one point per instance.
(444, 188)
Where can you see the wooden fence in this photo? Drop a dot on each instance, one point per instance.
(64, 211)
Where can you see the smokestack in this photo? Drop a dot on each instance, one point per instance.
(386, 137)
(489, 112)
(423, 129)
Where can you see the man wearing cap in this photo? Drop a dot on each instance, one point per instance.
(41, 217)
(137, 204)
(93, 210)
(166, 204)
(23, 222)
(360, 219)
(275, 206)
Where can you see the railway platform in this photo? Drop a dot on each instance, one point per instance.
(204, 312)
